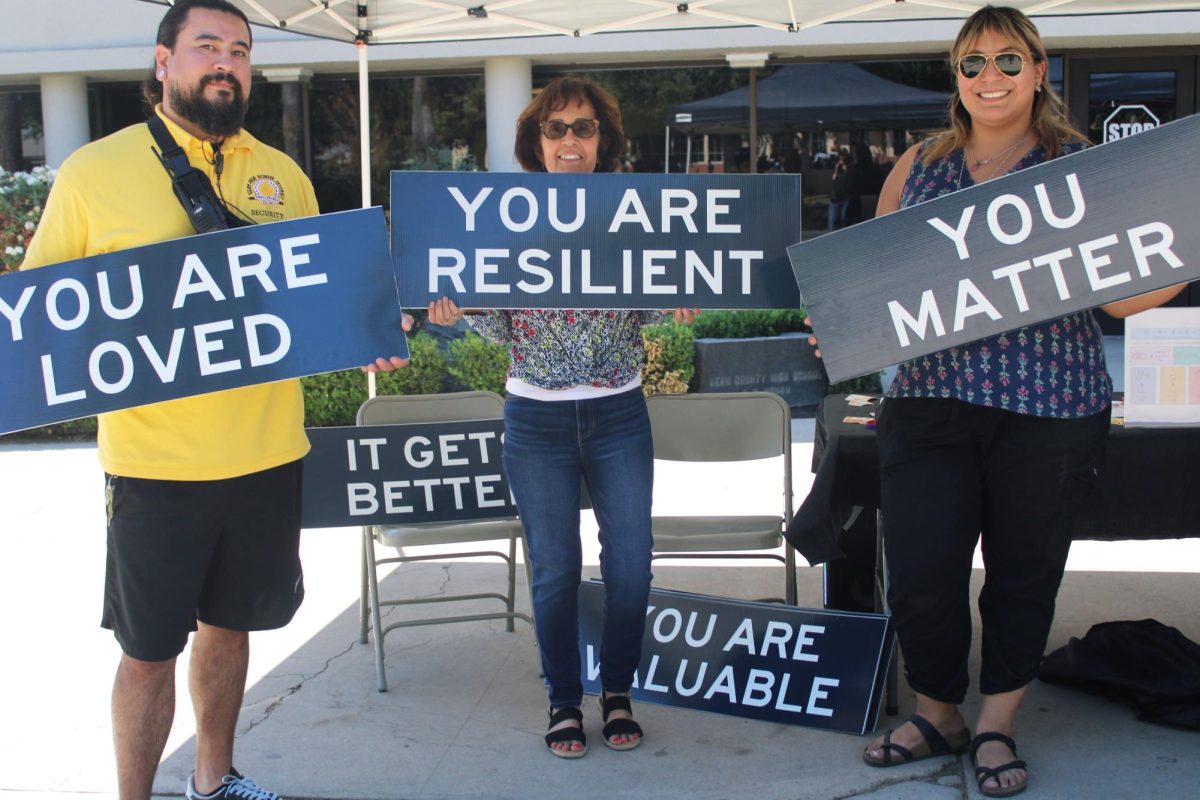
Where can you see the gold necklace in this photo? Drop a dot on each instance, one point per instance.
(980, 162)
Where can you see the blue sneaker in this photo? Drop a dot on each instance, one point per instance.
(234, 786)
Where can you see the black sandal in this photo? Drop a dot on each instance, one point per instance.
(938, 745)
(993, 773)
(619, 727)
(570, 735)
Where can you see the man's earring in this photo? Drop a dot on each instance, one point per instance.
(162, 73)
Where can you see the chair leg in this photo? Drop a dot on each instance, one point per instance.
(364, 603)
(789, 583)
(376, 623)
(512, 581)
(892, 696)
(529, 584)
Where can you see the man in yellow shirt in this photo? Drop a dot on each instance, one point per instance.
(203, 493)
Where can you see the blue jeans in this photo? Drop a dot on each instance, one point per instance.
(837, 214)
(549, 446)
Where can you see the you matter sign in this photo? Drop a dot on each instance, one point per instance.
(1086, 229)
(536, 240)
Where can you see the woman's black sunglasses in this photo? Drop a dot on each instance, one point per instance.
(973, 65)
(583, 128)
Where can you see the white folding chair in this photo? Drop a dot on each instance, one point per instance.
(719, 427)
(400, 409)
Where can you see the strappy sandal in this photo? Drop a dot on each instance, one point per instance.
(570, 734)
(937, 744)
(993, 773)
(621, 726)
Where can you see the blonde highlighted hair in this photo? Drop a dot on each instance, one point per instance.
(1051, 126)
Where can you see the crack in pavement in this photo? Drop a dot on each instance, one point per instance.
(953, 768)
(291, 690)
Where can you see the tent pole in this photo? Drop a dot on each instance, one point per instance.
(667, 151)
(687, 159)
(753, 120)
(364, 148)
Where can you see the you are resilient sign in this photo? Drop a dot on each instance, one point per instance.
(1090, 228)
(766, 661)
(608, 241)
(195, 315)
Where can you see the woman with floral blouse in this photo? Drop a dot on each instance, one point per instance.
(576, 413)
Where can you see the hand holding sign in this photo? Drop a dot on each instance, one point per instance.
(383, 364)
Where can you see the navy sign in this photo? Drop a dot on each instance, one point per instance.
(536, 240)
(820, 669)
(1086, 229)
(405, 474)
(196, 315)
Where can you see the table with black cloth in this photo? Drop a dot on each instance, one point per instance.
(1149, 487)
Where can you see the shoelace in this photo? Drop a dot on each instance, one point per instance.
(244, 787)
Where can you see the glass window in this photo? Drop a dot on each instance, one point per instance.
(1054, 73)
(1123, 103)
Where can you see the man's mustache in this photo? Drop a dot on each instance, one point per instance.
(222, 78)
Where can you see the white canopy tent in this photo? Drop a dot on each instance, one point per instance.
(410, 21)
(377, 22)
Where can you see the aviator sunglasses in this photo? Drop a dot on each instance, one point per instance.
(973, 65)
(583, 128)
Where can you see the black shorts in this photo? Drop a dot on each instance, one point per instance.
(224, 552)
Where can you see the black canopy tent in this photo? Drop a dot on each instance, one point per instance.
(813, 96)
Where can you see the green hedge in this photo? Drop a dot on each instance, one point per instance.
(334, 398)
(670, 361)
(744, 324)
(477, 364)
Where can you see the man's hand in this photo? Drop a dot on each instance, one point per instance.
(394, 362)
(812, 339)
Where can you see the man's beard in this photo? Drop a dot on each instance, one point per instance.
(218, 118)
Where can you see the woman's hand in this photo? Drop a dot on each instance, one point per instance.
(812, 338)
(389, 364)
(443, 311)
(683, 315)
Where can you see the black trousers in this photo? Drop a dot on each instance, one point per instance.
(950, 473)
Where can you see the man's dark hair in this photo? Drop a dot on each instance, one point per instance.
(168, 34)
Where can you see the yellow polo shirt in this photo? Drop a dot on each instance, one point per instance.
(113, 194)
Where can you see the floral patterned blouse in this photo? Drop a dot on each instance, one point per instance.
(1053, 369)
(559, 349)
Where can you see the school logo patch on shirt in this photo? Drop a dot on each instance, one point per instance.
(266, 189)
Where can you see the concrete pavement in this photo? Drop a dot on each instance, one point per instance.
(465, 714)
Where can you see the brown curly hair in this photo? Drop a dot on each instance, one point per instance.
(556, 96)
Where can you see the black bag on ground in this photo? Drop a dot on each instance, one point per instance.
(1150, 665)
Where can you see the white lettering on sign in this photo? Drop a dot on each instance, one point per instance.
(519, 208)
(208, 342)
(248, 261)
(667, 272)
(678, 204)
(1010, 220)
(1023, 216)
(1145, 246)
